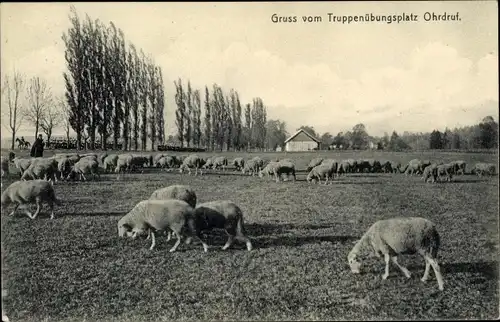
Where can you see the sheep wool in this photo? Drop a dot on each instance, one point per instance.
(26, 192)
(395, 236)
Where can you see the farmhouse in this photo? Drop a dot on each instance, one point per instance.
(301, 141)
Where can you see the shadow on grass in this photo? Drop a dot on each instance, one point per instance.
(93, 214)
(256, 230)
(294, 241)
(488, 269)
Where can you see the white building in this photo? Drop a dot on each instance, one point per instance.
(301, 141)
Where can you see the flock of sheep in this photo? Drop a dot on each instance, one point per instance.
(74, 166)
(174, 210)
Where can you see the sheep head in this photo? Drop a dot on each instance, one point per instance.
(124, 230)
(354, 264)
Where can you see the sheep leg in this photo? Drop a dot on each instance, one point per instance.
(84, 179)
(177, 243)
(229, 242)
(244, 239)
(153, 239)
(38, 202)
(169, 236)
(387, 259)
(13, 211)
(402, 268)
(437, 271)
(427, 270)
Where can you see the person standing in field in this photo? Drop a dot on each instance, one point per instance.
(37, 148)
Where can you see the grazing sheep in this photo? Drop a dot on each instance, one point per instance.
(22, 164)
(220, 162)
(481, 169)
(396, 167)
(123, 163)
(353, 165)
(64, 166)
(221, 214)
(41, 168)
(251, 166)
(314, 162)
(208, 164)
(192, 161)
(179, 192)
(285, 167)
(459, 166)
(444, 170)
(395, 236)
(430, 172)
(239, 163)
(151, 216)
(424, 165)
(158, 157)
(371, 165)
(163, 162)
(259, 163)
(414, 166)
(333, 164)
(385, 166)
(278, 169)
(343, 167)
(109, 162)
(85, 166)
(269, 169)
(322, 171)
(25, 192)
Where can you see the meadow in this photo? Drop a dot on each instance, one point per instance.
(75, 268)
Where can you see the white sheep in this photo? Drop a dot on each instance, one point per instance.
(221, 214)
(395, 236)
(314, 162)
(86, 165)
(322, 171)
(25, 192)
(22, 164)
(151, 216)
(41, 168)
(192, 161)
(179, 192)
(109, 162)
(220, 162)
(251, 166)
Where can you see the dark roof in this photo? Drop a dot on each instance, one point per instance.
(306, 133)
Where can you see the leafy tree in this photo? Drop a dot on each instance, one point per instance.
(436, 140)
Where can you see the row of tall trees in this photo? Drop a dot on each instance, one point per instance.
(225, 125)
(113, 91)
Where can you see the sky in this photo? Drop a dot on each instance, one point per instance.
(411, 76)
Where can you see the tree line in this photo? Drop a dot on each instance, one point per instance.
(225, 125)
(483, 135)
(112, 90)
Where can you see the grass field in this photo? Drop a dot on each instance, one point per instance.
(75, 267)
